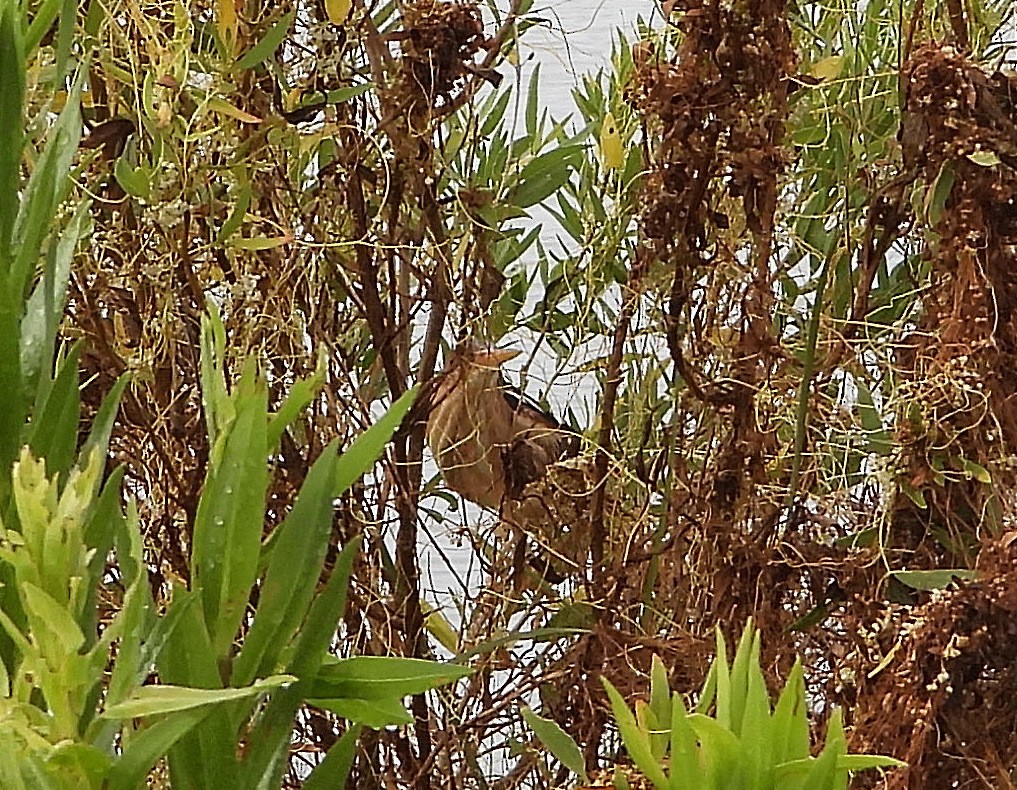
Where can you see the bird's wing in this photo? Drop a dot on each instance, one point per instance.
(532, 423)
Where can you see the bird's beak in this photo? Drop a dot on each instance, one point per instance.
(494, 357)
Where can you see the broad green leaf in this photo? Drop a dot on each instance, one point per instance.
(637, 742)
(283, 596)
(300, 396)
(657, 731)
(436, 624)
(48, 616)
(152, 700)
(81, 763)
(331, 772)
(143, 748)
(367, 448)
(269, 739)
(721, 752)
(984, 158)
(684, 749)
(660, 691)
(748, 646)
(828, 68)
(756, 727)
(102, 422)
(934, 580)
(228, 524)
(822, 772)
(54, 431)
(134, 180)
(374, 713)
(326, 612)
(545, 175)
(265, 48)
(12, 88)
(46, 188)
(976, 471)
(789, 735)
(383, 677)
(558, 742)
(45, 307)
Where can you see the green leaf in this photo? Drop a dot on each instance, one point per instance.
(660, 691)
(241, 193)
(984, 158)
(637, 742)
(152, 700)
(47, 616)
(938, 194)
(684, 749)
(104, 519)
(862, 762)
(374, 713)
(12, 89)
(331, 773)
(102, 423)
(367, 448)
(789, 737)
(720, 751)
(43, 20)
(723, 674)
(299, 398)
(326, 611)
(46, 305)
(46, 188)
(341, 95)
(54, 430)
(934, 580)
(877, 436)
(143, 749)
(215, 401)
(545, 175)
(976, 471)
(285, 597)
(265, 48)
(134, 180)
(81, 763)
(230, 517)
(383, 677)
(558, 742)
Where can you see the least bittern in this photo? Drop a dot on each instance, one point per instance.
(488, 439)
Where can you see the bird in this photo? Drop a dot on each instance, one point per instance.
(488, 439)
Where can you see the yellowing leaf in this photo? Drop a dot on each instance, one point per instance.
(828, 68)
(226, 22)
(338, 11)
(223, 107)
(257, 243)
(440, 628)
(984, 158)
(612, 151)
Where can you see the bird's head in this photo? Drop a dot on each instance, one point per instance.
(474, 354)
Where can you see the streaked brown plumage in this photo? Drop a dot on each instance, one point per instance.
(487, 440)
